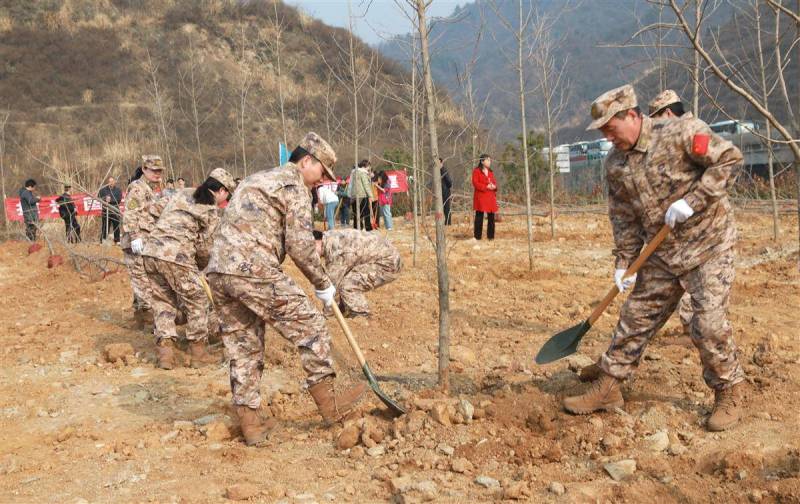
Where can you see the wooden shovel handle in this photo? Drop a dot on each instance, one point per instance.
(349, 335)
(632, 269)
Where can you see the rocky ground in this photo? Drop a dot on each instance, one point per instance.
(85, 417)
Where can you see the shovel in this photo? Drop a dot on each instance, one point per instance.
(566, 342)
(373, 382)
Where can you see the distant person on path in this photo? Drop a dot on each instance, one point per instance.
(326, 194)
(137, 223)
(384, 200)
(29, 201)
(111, 196)
(447, 186)
(344, 202)
(69, 214)
(180, 184)
(169, 189)
(360, 192)
(484, 200)
(357, 262)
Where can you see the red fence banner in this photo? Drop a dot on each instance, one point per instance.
(85, 204)
(398, 181)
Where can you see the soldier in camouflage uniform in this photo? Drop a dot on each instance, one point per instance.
(269, 217)
(357, 262)
(137, 222)
(667, 105)
(176, 250)
(675, 172)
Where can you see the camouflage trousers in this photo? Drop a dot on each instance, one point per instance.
(685, 312)
(177, 288)
(139, 281)
(243, 305)
(352, 284)
(652, 301)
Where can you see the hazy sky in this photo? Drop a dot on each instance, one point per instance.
(382, 18)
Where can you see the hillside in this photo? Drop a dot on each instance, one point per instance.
(94, 84)
(581, 30)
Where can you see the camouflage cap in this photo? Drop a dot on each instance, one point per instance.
(320, 149)
(152, 162)
(664, 98)
(223, 177)
(611, 102)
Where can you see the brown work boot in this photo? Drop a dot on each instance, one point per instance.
(590, 373)
(165, 353)
(727, 408)
(604, 394)
(200, 358)
(334, 407)
(255, 428)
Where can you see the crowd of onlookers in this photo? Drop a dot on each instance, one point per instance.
(362, 200)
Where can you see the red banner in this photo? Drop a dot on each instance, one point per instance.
(398, 182)
(85, 204)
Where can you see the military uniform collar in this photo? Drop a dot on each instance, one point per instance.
(644, 135)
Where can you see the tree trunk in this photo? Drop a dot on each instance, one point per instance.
(765, 97)
(441, 241)
(414, 152)
(696, 68)
(354, 77)
(524, 127)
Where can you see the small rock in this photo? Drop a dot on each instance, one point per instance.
(576, 362)
(461, 465)
(426, 487)
(182, 425)
(441, 414)
(241, 491)
(357, 452)
(217, 431)
(658, 442)
(466, 409)
(446, 449)
(117, 351)
(676, 449)
(401, 484)
(611, 441)
(620, 470)
(169, 436)
(376, 451)
(755, 495)
(487, 482)
(462, 354)
(517, 491)
(65, 434)
(557, 488)
(205, 420)
(348, 437)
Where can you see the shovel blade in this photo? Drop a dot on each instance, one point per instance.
(562, 344)
(395, 408)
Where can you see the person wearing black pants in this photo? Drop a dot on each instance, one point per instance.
(69, 214)
(447, 186)
(111, 196)
(484, 199)
(479, 225)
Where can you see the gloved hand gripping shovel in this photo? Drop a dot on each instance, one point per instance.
(566, 342)
(373, 382)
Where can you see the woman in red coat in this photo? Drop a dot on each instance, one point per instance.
(485, 197)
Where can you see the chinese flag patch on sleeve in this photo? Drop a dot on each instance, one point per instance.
(700, 144)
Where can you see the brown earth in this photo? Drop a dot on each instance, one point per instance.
(76, 428)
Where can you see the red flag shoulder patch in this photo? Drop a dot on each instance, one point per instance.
(700, 144)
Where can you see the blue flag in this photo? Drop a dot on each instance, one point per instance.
(283, 153)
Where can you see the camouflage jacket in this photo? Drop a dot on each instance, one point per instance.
(268, 217)
(674, 159)
(182, 234)
(344, 249)
(137, 220)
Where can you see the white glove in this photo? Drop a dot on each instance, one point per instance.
(677, 213)
(623, 284)
(137, 246)
(326, 295)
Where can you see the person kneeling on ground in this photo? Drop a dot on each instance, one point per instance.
(269, 217)
(173, 255)
(357, 262)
